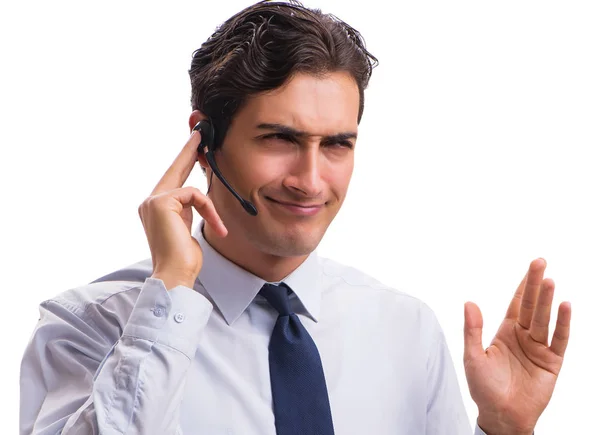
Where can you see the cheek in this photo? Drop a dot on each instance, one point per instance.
(338, 177)
(258, 169)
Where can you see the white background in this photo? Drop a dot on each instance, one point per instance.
(477, 153)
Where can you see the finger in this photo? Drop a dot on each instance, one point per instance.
(181, 167)
(192, 197)
(513, 309)
(535, 276)
(560, 338)
(541, 315)
(473, 331)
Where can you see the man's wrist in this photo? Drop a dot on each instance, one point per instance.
(171, 281)
(494, 425)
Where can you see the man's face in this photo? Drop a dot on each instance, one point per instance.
(293, 145)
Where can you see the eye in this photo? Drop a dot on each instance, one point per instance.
(278, 136)
(341, 144)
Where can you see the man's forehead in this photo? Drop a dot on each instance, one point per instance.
(316, 105)
(306, 119)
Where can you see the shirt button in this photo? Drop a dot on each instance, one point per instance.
(179, 317)
(159, 311)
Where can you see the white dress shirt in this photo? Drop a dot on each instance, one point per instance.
(123, 355)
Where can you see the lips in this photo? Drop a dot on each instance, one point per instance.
(297, 209)
(293, 204)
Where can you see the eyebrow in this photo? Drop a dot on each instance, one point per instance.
(289, 131)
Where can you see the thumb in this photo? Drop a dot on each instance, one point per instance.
(473, 330)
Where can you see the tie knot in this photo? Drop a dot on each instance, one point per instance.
(277, 296)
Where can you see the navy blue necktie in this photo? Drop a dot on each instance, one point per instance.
(300, 400)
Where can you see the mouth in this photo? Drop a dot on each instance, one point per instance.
(297, 209)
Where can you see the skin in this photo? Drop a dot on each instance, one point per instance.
(307, 170)
(511, 381)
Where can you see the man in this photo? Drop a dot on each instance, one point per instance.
(240, 328)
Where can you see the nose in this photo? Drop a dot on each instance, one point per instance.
(305, 173)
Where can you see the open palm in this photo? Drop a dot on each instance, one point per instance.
(513, 379)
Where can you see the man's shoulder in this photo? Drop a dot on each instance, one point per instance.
(120, 287)
(367, 298)
(351, 278)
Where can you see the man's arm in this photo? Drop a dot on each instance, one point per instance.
(76, 380)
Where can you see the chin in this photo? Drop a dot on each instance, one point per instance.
(286, 244)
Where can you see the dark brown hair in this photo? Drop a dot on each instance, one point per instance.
(261, 47)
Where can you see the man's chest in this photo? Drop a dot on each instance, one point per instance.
(376, 381)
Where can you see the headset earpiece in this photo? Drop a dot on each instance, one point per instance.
(207, 135)
(207, 139)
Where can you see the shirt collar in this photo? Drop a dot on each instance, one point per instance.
(233, 289)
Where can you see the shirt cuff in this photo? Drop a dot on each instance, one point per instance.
(173, 317)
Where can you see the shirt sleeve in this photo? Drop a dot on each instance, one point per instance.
(446, 412)
(75, 381)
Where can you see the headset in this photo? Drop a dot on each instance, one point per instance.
(207, 139)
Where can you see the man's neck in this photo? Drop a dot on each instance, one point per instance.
(271, 268)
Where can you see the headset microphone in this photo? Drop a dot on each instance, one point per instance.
(207, 138)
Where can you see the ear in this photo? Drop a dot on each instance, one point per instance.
(195, 117)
